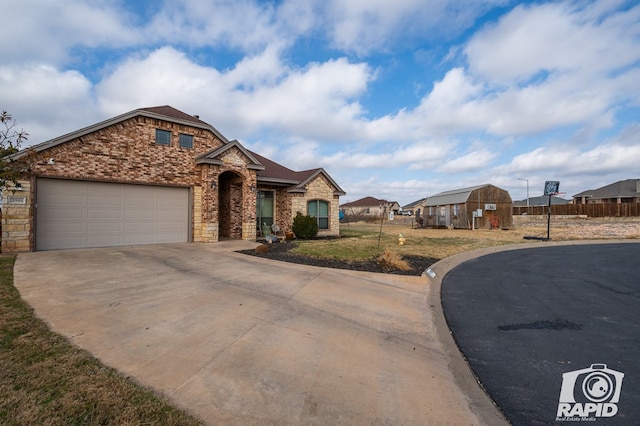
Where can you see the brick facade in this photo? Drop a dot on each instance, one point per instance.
(124, 150)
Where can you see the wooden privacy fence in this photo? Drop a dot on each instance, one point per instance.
(590, 210)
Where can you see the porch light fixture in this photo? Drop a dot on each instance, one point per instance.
(213, 185)
(252, 188)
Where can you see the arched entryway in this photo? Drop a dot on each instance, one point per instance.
(230, 199)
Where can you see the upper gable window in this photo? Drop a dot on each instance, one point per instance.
(163, 137)
(186, 141)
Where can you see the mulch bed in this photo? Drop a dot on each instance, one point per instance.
(282, 252)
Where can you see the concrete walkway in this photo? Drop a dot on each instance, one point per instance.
(236, 339)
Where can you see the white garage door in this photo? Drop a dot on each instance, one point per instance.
(76, 214)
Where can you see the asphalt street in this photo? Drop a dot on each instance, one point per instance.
(523, 318)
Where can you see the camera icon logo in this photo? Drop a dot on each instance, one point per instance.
(590, 392)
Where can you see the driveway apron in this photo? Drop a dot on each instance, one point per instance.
(236, 339)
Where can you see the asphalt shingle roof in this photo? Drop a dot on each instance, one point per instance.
(365, 202)
(622, 188)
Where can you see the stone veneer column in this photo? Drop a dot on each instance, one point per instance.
(16, 218)
(197, 214)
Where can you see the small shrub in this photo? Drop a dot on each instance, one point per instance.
(390, 260)
(305, 227)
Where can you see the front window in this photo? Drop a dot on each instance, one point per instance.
(163, 137)
(264, 204)
(320, 210)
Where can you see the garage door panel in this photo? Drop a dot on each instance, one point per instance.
(76, 214)
(66, 241)
(103, 241)
(149, 203)
(166, 204)
(57, 213)
(108, 213)
(141, 227)
(140, 215)
(63, 199)
(103, 227)
(168, 227)
(65, 227)
(169, 214)
(106, 201)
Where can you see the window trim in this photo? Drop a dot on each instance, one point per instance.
(318, 218)
(163, 132)
(190, 138)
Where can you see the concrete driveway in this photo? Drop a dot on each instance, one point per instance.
(241, 340)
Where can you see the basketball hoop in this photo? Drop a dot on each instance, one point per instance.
(551, 188)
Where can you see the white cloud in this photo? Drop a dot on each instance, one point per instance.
(568, 160)
(46, 31)
(555, 37)
(473, 161)
(45, 101)
(243, 24)
(259, 93)
(364, 25)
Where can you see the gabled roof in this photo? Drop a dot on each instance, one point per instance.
(169, 111)
(414, 204)
(212, 157)
(456, 196)
(542, 200)
(628, 188)
(365, 202)
(278, 174)
(166, 113)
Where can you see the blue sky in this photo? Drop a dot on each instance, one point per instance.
(396, 100)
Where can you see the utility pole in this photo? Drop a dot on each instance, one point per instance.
(527, 180)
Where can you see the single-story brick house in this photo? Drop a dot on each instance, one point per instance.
(542, 200)
(414, 208)
(370, 206)
(622, 191)
(482, 206)
(156, 175)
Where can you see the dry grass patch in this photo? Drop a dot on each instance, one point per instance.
(44, 380)
(362, 240)
(390, 260)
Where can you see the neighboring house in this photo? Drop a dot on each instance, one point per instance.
(492, 207)
(370, 206)
(156, 175)
(542, 200)
(623, 191)
(413, 208)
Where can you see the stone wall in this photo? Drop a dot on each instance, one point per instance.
(319, 189)
(17, 226)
